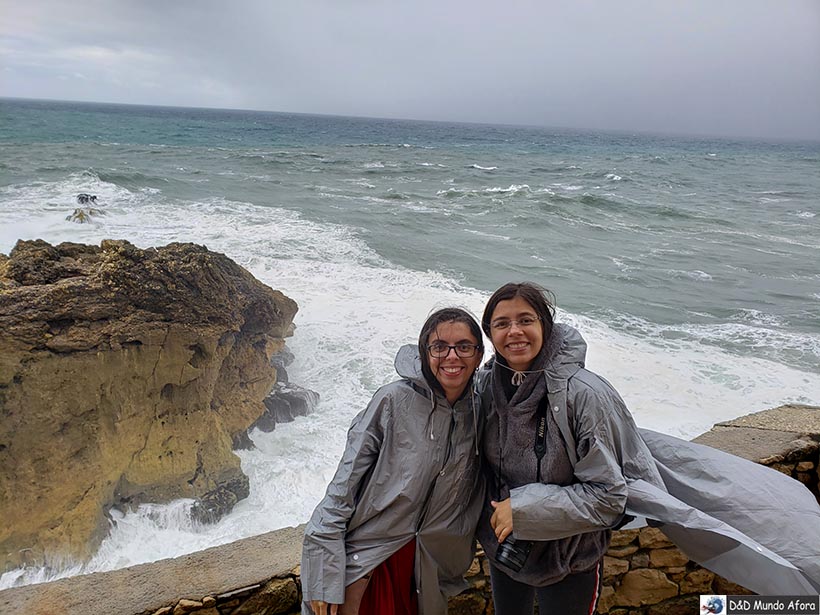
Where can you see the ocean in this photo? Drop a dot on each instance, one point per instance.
(689, 264)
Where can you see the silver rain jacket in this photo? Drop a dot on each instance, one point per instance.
(744, 521)
(410, 470)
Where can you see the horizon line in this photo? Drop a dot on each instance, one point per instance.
(620, 131)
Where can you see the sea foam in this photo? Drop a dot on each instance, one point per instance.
(356, 310)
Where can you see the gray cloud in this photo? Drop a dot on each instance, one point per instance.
(737, 67)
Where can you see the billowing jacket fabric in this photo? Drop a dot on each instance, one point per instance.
(410, 471)
(744, 521)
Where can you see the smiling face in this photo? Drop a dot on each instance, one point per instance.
(518, 345)
(452, 371)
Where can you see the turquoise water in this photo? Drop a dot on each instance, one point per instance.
(689, 264)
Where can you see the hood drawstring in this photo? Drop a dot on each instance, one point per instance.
(475, 414)
(430, 416)
(519, 374)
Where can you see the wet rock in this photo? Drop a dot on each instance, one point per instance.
(83, 216)
(280, 362)
(217, 503)
(284, 404)
(84, 198)
(125, 376)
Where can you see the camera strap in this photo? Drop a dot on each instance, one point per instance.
(540, 446)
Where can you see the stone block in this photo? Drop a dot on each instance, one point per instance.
(653, 538)
(468, 603)
(623, 537)
(805, 466)
(784, 468)
(239, 593)
(640, 560)
(606, 600)
(614, 567)
(187, 606)
(685, 605)
(475, 568)
(662, 558)
(622, 552)
(166, 610)
(676, 574)
(805, 478)
(226, 607)
(796, 418)
(276, 597)
(697, 582)
(644, 586)
(480, 584)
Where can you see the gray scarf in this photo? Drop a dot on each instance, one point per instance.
(512, 453)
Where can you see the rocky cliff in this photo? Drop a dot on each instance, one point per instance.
(125, 376)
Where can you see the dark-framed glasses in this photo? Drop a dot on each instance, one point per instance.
(506, 323)
(439, 350)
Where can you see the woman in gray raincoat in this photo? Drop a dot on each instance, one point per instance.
(395, 532)
(566, 462)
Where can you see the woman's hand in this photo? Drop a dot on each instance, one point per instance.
(502, 521)
(320, 607)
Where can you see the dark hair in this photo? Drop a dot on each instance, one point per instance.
(438, 317)
(541, 300)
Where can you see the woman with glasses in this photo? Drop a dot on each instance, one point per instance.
(394, 532)
(545, 525)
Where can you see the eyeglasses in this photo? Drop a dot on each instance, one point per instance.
(506, 323)
(439, 350)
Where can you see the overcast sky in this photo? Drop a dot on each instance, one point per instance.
(726, 67)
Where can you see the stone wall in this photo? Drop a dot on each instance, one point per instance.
(644, 574)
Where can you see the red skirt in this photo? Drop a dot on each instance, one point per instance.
(392, 589)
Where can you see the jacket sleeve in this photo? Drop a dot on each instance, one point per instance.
(597, 497)
(323, 548)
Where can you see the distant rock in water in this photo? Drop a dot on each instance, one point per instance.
(285, 403)
(217, 503)
(81, 216)
(287, 400)
(83, 198)
(126, 375)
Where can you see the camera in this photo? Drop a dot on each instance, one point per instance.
(513, 553)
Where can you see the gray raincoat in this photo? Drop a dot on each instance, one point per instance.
(410, 471)
(744, 521)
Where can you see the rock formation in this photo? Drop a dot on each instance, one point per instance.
(83, 215)
(125, 375)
